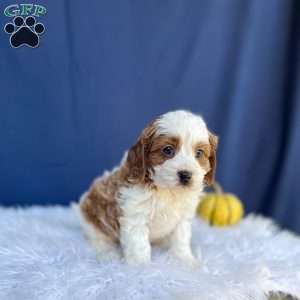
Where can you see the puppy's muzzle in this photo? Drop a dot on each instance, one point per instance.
(184, 177)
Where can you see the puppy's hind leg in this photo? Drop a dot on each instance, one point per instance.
(105, 248)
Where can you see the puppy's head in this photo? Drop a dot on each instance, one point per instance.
(174, 150)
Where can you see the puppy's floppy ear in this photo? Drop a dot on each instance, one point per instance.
(136, 162)
(209, 178)
(137, 155)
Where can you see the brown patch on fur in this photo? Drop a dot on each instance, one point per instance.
(146, 154)
(155, 156)
(213, 143)
(100, 207)
(137, 154)
(203, 159)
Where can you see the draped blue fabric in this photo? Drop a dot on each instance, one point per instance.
(103, 69)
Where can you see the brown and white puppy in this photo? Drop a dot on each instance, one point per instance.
(152, 196)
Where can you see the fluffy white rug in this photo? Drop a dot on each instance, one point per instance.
(43, 255)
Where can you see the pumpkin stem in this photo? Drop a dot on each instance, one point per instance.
(217, 188)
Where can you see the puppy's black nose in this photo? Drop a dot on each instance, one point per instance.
(184, 177)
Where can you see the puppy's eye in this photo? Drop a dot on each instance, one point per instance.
(168, 150)
(199, 153)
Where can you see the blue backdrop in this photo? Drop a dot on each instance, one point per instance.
(103, 69)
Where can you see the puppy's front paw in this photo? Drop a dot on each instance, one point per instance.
(107, 256)
(138, 260)
(193, 262)
(189, 260)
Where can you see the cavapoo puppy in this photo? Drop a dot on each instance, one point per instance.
(152, 196)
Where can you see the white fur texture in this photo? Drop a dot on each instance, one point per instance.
(156, 216)
(43, 255)
(187, 125)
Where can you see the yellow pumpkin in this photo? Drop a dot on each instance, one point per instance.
(219, 208)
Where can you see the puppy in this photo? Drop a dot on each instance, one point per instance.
(152, 196)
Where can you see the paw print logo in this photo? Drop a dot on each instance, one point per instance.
(24, 31)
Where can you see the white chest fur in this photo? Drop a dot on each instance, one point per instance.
(168, 208)
(159, 210)
(153, 215)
